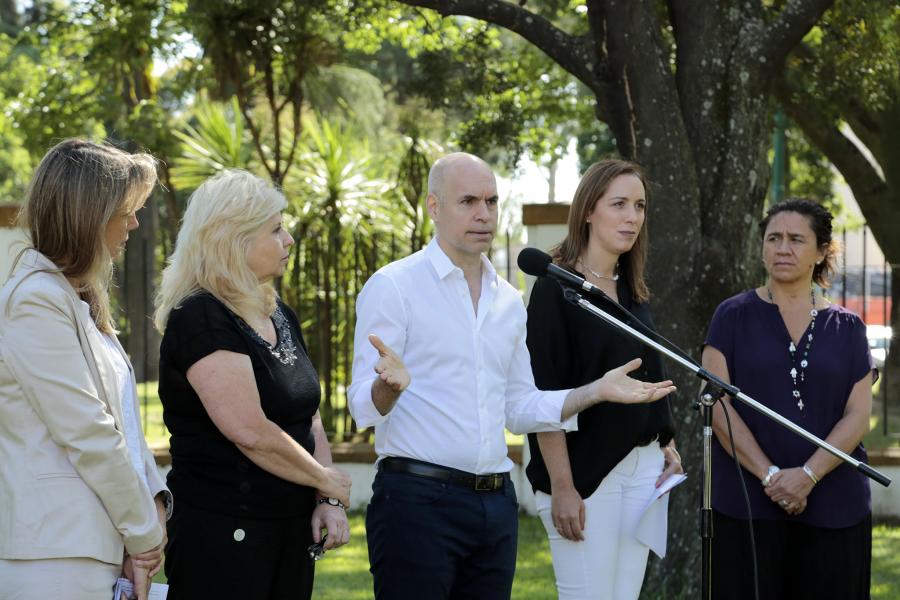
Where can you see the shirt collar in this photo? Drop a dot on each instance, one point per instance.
(443, 266)
(33, 261)
(36, 260)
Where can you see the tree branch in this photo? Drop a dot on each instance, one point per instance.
(565, 49)
(296, 127)
(867, 185)
(792, 23)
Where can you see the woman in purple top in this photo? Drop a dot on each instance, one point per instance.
(807, 359)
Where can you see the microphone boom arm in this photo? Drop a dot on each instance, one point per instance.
(575, 298)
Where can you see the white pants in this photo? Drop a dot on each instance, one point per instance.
(609, 563)
(50, 578)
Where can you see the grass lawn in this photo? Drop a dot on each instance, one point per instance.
(344, 574)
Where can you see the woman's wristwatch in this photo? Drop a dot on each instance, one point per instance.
(332, 502)
(769, 474)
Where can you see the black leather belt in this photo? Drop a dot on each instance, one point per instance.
(479, 483)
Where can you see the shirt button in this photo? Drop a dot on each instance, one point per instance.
(245, 487)
(239, 535)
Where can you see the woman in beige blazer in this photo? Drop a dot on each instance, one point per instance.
(81, 500)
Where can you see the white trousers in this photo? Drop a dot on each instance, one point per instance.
(609, 563)
(51, 578)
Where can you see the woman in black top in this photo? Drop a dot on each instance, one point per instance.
(251, 466)
(592, 485)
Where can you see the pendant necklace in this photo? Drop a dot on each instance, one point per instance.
(615, 276)
(792, 349)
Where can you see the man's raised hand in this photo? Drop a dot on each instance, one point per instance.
(390, 367)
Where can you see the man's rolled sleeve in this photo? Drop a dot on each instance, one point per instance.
(362, 408)
(528, 409)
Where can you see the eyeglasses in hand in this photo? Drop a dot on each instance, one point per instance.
(317, 551)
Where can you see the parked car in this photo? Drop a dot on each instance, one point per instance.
(879, 343)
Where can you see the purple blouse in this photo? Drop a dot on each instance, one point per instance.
(752, 336)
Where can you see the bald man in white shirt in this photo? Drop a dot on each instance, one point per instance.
(444, 371)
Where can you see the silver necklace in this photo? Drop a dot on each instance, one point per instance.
(615, 276)
(792, 349)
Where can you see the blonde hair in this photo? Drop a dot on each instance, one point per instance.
(223, 216)
(75, 191)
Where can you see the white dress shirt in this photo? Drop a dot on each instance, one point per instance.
(470, 374)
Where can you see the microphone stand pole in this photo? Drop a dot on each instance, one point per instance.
(715, 389)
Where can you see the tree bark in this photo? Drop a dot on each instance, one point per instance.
(695, 116)
(9, 16)
(138, 289)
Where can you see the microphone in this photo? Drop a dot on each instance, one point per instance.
(539, 264)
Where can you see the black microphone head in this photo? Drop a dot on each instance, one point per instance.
(534, 262)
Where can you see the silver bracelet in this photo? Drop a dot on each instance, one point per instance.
(812, 475)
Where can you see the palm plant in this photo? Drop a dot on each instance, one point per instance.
(343, 210)
(217, 141)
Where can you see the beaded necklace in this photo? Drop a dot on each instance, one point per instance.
(792, 349)
(284, 349)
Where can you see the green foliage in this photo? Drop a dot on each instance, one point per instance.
(49, 92)
(341, 203)
(516, 102)
(345, 92)
(810, 174)
(335, 182)
(216, 142)
(855, 52)
(15, 162)
(412, 187)
(848, 73)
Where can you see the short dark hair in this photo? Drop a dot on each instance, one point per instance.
(819, 219)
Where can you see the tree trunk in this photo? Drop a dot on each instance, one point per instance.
(552, 168)
(890, 377)
(9, 16)
(142, 343)
(701, 137)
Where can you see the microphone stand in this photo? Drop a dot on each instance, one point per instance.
(715, 389)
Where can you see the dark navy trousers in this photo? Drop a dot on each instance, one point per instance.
(440, 541)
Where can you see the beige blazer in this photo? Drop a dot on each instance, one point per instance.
(67, 486)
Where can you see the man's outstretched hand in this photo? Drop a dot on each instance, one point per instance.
(617, 386)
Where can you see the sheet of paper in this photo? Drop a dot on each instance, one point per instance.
(124, 590)
(652, 527)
